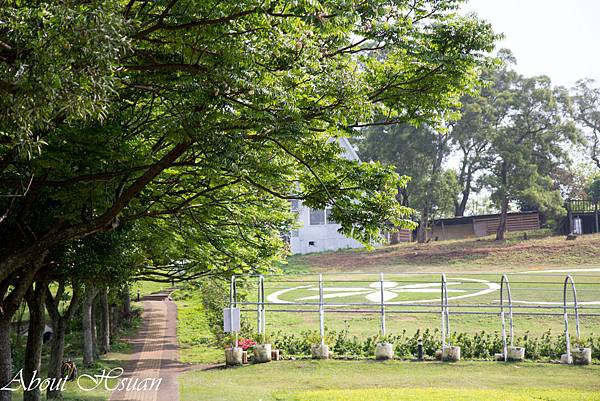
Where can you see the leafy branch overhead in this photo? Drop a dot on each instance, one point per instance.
(205, 116)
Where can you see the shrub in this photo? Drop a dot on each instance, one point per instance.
(480, 345)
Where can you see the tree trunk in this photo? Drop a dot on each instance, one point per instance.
(460, 207)
(105, 318)
(88, 345)
(502, 225)
(57, 352)
(504, 203)
(9, 304)
(126, 303)
(59, 326)
(114, 320)
(33, 351)
(95, 327)
(5, 358)
(422, 230)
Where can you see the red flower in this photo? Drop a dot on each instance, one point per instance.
(246, 343)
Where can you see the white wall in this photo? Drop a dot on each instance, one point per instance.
(323, 237)
(318, 238)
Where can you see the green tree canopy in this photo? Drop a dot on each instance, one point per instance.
(225, 104)
(213, 112)
(418, 153)
(586, 111)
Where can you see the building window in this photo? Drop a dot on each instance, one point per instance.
(317, 217)
(320, 216)
(328, 218)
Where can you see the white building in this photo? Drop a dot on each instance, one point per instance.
(318, 232)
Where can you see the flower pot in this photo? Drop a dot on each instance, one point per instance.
(262, 353)
(581, 356)
(565, 360)
(233, 356)
(515, 354)
(319, 351)
(451, 354)
(244, 357)
(384, 351)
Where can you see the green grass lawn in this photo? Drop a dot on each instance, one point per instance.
(423, 288)
(419, 394)
(468, 293)
(392, 380)
(118, 357)
(460, 260)
(196, 342)
(395, 380)
(74, 393)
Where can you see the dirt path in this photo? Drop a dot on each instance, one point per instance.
(155, 354)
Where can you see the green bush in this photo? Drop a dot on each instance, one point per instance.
(480, 345)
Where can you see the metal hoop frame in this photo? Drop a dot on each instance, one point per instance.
(260, 306)
(570, 280)
(505, 303)
(321, 311)
(445, 312)
(504, 283)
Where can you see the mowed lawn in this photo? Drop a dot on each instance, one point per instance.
(392, 380)
(458, 259)
(421, 293)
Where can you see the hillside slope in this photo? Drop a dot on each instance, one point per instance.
(539, 251)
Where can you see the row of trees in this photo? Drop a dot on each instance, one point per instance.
(514, 138)
(163, 139)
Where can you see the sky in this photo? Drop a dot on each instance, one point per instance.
(558, 38)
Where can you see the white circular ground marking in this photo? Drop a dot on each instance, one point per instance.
(391, 290)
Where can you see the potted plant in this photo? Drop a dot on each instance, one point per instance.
(262, 350)
(319, 348)
(384, 349)
(233, 353)
(247, 345)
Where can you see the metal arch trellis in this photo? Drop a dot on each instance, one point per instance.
(321, 311)
(260, 306)
(570, 280)
(505, 283)
(382, 307)
(445, 312)
(233, 304)
(382, 293)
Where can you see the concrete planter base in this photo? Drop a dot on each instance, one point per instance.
(516, 354)
(384, 351)
(438, 355)
(564, 359)
(233, 356)
(319, 351)
(581, 356)
(451, 354)
(262, 353)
